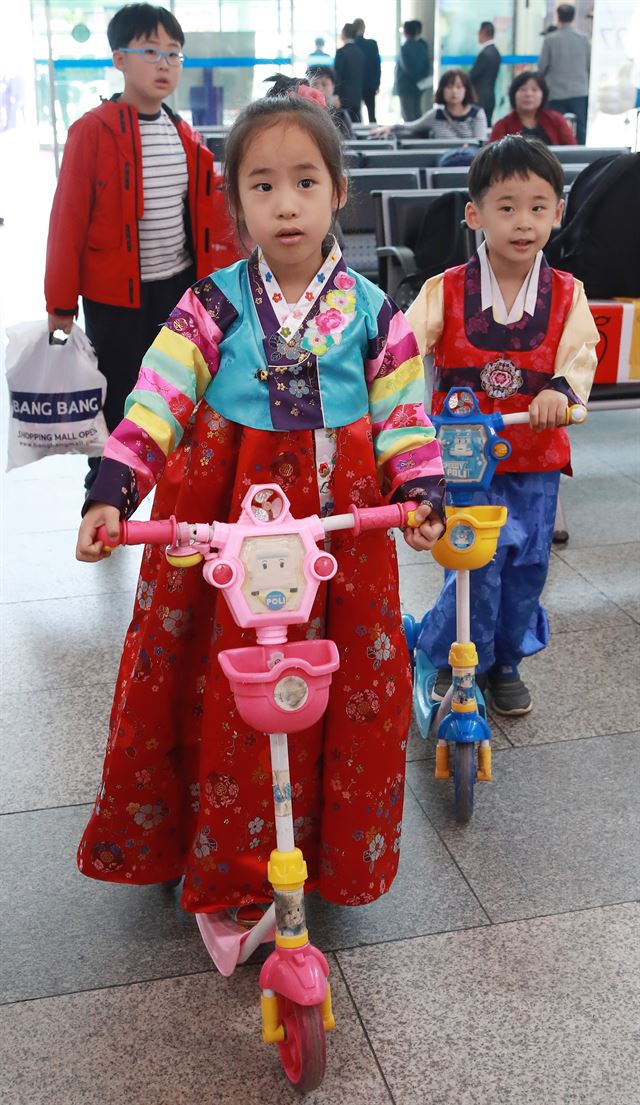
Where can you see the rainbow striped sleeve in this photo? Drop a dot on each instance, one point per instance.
(174, 375)
(407, 453)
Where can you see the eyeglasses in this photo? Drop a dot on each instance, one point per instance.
(153, 56)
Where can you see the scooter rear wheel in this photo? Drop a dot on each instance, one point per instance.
(303, 1052)
(464, 777)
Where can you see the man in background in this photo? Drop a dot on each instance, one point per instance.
(484, 71)
(413, 70)
(564, 63)
(349, 70)
(318, 55)
(371, 81)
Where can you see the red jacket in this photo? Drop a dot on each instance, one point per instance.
(92, 248)
(552, 122)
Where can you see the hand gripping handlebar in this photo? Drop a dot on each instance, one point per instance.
(170, 532)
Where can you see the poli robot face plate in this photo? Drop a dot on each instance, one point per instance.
(470, 445)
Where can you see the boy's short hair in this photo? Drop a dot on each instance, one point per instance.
(488, 28)
(512, 156)
(412, 27)
(314, 71)
(140, 21)
(522, 78)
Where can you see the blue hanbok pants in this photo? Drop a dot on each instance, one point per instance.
(507, 620)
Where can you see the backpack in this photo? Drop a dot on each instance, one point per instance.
(440, 244)
(463, 155)
(600, 238)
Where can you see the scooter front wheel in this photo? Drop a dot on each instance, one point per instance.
(303, 1052)
(464, 777)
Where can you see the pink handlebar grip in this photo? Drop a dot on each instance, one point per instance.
(381, 517)
(141, 533)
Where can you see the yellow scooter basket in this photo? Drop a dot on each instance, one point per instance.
(471, 537)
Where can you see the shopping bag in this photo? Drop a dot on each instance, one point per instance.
(56, 394)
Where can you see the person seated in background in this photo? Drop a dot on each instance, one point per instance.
(454, 116)
(323, 78)
(528, 95)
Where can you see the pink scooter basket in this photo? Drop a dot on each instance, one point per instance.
(287, 696)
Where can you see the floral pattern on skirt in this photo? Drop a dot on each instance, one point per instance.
(186, 786)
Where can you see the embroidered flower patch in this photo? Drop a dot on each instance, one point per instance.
(501, 378)
(337, 311)
(345, 281)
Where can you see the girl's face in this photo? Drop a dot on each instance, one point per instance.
(287, 198)
(529, 97)
(455, 92)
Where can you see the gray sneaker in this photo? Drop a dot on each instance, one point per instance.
(509, 695)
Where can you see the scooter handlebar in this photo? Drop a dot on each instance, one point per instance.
(574, 415)
(168, 532)
(141, 533)
(398, 515)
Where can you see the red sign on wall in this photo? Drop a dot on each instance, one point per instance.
(608, 319)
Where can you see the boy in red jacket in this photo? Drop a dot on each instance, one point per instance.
(138, 213)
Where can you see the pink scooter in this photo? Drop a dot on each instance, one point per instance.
(269, 568)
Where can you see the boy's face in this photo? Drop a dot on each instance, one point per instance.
(517, 216)
(147, 81)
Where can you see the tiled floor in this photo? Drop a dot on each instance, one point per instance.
(502, 967)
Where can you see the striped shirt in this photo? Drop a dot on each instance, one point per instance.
(164, 249)
(437, 123)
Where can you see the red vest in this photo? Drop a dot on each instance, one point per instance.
(508, 377)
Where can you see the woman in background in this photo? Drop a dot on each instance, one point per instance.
(528, 95)
(454, 116)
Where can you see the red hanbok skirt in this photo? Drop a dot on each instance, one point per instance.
(186, 785)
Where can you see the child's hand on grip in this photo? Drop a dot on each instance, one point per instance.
(88, 547)
(429, 528)
(549, 409)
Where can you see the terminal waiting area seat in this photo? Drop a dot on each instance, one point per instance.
(399, 218)
(455, 176)
(357, 219)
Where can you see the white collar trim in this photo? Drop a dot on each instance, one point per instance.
(491, 296)
(289, 317)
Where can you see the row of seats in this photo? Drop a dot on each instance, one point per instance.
(384, 211)
(430, 157)
(364, 180)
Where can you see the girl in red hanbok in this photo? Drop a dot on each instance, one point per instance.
(287, 367)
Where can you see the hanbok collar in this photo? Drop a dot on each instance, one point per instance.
(291, 319)
(481, 326)
(491, 296)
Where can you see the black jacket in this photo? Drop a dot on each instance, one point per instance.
(413, 65)
(369, 49)
(483, 75)
(349, 67)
